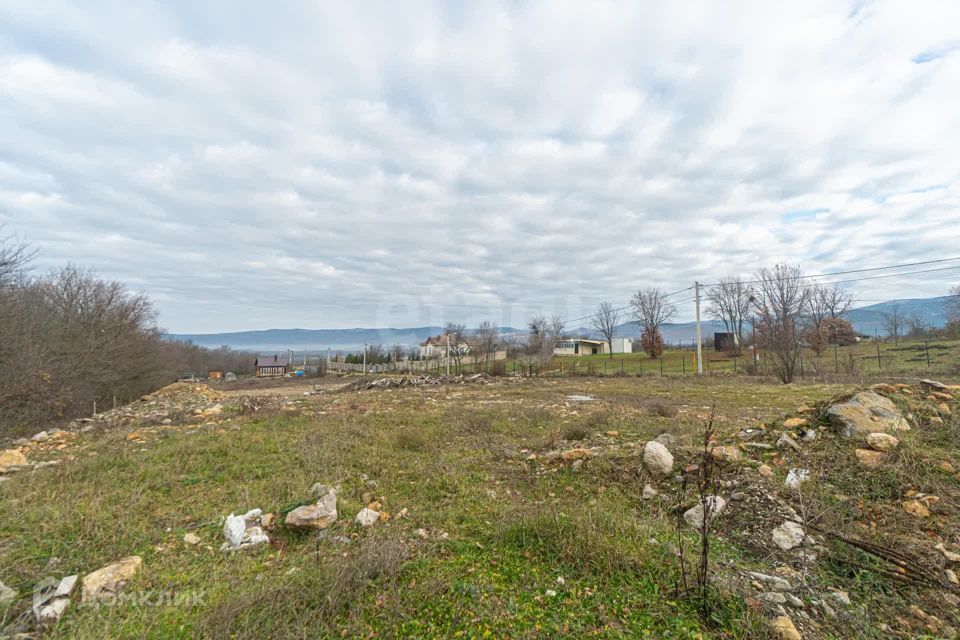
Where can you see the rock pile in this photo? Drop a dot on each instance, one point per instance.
(243, 532)
(417, 381)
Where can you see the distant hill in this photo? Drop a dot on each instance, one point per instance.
(867, 320)
(314, 340)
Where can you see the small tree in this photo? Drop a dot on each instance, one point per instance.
(652, 342)
(605, 322)
(953, 306)
(651, 309)
(839, 332)
(454, 333)
(779, 302)
(542, 339)
(730, 302)
(893, 322)
(484, 344)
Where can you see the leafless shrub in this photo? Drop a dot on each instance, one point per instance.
(575, 432)
(662, 410)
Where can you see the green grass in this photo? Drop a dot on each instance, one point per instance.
(454, 457)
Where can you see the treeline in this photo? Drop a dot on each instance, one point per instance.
(69, 339)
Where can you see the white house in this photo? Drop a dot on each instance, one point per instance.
(579, 347)
(623, 345)
(436, 347)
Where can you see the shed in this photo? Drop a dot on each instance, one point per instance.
(271, 366)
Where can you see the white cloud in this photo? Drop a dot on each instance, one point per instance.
(390, 164)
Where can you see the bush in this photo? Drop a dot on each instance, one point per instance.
(652, 342)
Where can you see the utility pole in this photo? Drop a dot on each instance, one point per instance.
(448, 354)
(364, 359)
(696, 287)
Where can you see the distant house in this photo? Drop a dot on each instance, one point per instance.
(623, 345)
(436, 347)
(271, 366)
(580, 347)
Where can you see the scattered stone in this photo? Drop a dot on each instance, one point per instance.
(725, 455)
(576, 465)
(103, 584)
(649, 492)
(7, 594)
(12, 460)
(841, 598)
(43, 436)
(191, 538)
(765, 470)
(772, 597)
(576, 454)
(952, 576)
(774, 582)
(949, 555)
(657, 458)
(933, 384)
(794, 423)
(550, 593)
(786, 441)
(796, 477)
(243, 532)
(866, 412)
(883, 388)
(319, 515)
(695, 515)
(782, 628)
(51, 599)
(788, 535)
(794, 601)
(944, 409)
(579, 398)
(939, 395)
(869, 457)
(613, 434)
(666, 439)
(367, 517)
(809, 435)
(882, 441)
(916, 508)
(936, 420)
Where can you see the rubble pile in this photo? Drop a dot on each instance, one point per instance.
(418, 381)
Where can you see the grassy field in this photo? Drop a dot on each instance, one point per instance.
(507, 547)
(904, 357)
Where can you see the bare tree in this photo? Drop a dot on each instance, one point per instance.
(542, 339)
(605, 322)
(953, 305)
(893, 322)
(730, 303)
(651, 309)
(454, 333)
(779, 302)
(834, 299)
(484, 344)
(15, 256)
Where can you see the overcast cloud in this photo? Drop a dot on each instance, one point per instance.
(327, 165)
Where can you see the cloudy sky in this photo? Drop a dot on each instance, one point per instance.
(336, 164)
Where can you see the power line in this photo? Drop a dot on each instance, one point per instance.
(843, 273)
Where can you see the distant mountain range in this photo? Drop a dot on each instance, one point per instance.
(867, 320)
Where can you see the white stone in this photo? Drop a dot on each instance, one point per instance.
(649, 492)
(796, 477)
(788, 535)
(233, 529)
(367, 517)
(191, 538)
(657, 458)
(315, 516)
(7, 594)
(43, 436)
(694, 515)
